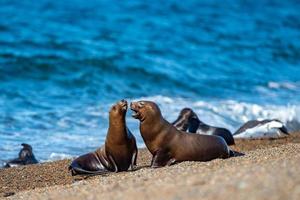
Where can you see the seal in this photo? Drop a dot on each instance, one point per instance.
(188, 120)
(169, 145)
(26, 157)
(119, 152)
(256, 129)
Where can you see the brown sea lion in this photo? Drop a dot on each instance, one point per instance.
(188, 120)
(169, 145)
(26, 157)
(119, 152)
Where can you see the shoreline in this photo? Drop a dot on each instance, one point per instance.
(52, 178)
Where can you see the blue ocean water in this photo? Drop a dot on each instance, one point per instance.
(64, 63)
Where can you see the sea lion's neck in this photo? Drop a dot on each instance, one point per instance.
(201, 127)
(194, 124)
(201, 123)
(154, 132)
(117, 130)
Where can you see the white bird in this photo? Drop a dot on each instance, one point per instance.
(255, 129)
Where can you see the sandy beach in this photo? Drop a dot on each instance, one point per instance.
(268, 170)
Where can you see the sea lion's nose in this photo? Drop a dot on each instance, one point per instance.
(123, 101)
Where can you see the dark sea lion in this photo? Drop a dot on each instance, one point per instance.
(185, 120)
(119, 152)
(268, 128)
(169, 145)
(188, 120)
(26, 157)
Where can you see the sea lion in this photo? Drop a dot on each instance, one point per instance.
(255, 129)
(188, 120)
(119, 152)
(169, 145)
(185, 121)
(26, 157)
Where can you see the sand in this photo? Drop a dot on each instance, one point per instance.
(269, 170)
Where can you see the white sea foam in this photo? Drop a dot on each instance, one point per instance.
(59, 156)
(284, 85)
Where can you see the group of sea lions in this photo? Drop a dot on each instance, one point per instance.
(253, 129)
(168, 143)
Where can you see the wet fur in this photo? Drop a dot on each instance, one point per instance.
(119, 152)
(189, 121)
(169, 145)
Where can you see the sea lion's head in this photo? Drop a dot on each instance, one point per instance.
(187, 114)
(192, 118)
(26, 151)
(185, 119)
(118, 109)
(145, 110)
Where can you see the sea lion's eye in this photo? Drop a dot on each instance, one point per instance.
(114, 107)
(141, 104)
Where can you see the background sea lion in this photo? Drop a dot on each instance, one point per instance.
(188, 120)
(119, 152)
(185, 120)
(255, 129)
(169, 145)
(26, 157)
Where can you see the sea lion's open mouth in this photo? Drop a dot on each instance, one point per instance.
(124, 107)
(135, 113)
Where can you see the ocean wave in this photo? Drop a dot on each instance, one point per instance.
(284, 85)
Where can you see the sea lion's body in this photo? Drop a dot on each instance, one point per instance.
(119, 152)
(217, 131)
(168, 144)
(26, 157)
(189, 121)
(258, 129)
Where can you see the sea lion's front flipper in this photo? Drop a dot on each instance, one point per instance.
(87, 164)
(133, 160)
(284, 130)
(115, 167)
(76, 169)
(233, 153)
(171, 161)
(161, 159)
